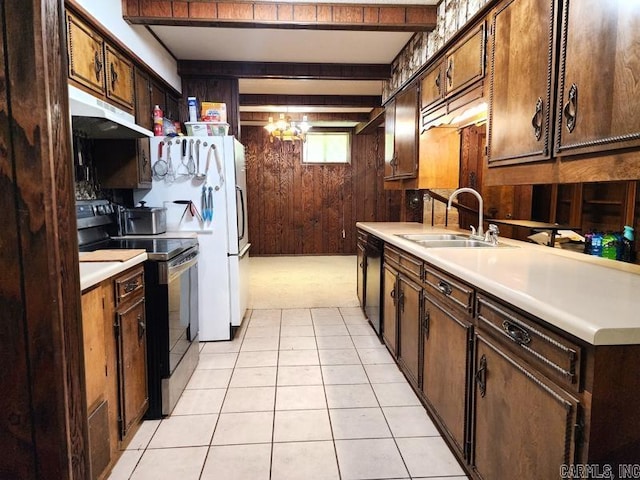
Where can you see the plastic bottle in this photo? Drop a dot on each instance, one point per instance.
(627, 245)
(587, 242)
(609, 246)
(157, 121)
(596, 244)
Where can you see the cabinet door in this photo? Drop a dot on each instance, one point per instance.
(445, 374)
(409, 315)
(389, 139)
(132, 364)
(119, 77)
(464, 64)
(173, 108)
(144, 163)
(390, 319)
(95, 354)
(524, 425)
(362, 266)
(520, 85)
(85, 49)
(431, 87)
(144, 109)
(598, 80)
(406, 134)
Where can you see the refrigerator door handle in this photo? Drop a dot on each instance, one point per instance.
(239, 190)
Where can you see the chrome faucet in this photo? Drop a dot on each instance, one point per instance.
(491, 235)
(480, 233)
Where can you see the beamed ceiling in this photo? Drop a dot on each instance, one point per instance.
(324, 59)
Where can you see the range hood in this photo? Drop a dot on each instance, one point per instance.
(94, 118)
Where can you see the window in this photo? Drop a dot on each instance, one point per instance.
(327, 147)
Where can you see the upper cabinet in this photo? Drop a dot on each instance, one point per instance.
(598, 87)
(432, 86)
(521, 52)
(97, 65)
(401, 118)
(464, 63)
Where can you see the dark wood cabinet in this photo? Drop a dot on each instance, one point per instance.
(521, 83)
(524, 424)
(119, 81)
(144, 108)
(597, 84)
(401, 118)
(409, 318)
(123, 163)
(432, 87)
(361, 271)
(464, 62)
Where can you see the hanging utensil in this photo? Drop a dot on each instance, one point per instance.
(160, 167)
(183, 170)
(170, 177)
(218, 166)
(210, 203)
(191, 166)
(203, 204)
(199, 175)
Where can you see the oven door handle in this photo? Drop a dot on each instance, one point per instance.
(176, 270)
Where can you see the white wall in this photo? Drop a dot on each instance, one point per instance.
(136, 37)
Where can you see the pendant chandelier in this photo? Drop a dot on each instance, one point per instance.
(287, 130)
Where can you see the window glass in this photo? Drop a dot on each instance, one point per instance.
(327, 147)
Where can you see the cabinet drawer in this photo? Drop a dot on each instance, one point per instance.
(443, 287)
(404, 262)
(553, 354)
(129, 284)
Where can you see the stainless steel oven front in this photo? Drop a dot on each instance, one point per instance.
(172, 335)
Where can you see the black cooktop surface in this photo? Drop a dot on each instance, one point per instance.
(156, 248)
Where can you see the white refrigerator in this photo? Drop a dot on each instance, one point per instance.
(210, 173)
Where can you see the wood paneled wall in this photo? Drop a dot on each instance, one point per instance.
(304, 209)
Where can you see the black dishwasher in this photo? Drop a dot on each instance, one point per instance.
(370, 268)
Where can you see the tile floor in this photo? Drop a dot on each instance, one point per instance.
(300, 394)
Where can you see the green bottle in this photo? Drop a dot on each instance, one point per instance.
(610, 246)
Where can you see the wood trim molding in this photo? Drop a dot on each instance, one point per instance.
(258, 14)
(261, 118)
(281, 70)
(311, 100)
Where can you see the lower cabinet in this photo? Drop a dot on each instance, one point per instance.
(409, 315)
(361, 272)
(390, 316)
(524, 424)
(115, 364)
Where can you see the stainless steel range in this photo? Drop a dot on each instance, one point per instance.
(171, 285)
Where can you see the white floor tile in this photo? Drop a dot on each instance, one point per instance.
(216, 360)
(298, 357)
(410, 422)
(367, 341)
(266, 314)
(300, 398)
(350, 396)
(171, 464)
(221, 347)
(325, 312)
(384, 373)
(344, 375)
(361, 330)
(299, 375)
(297, 343)
(261, 332)
(249, 399)
(141, 439)
(355, 320)
(297, 331)
(395, 394)
(260, 343)
(238, 462)
(184, 431)
(197, 402)
(263, 358)
(351, 311)
(351, 423)
(241, 428)
(369, 459)
(293, 313)
(324, 321)
(125, 465)
(304, 460)
(344, 356)
(253, 377)
(374, 356)
(331, 330)
(301, 425)
(215, 378)
(428, 456)
(334, 342)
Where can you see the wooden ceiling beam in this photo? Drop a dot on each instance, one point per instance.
(263, 117)
(282, 70)
(259, 14)
(311, 100)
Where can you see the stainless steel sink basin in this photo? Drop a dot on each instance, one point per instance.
(466, 243)
(428, 237)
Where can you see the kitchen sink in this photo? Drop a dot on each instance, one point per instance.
(428, 237)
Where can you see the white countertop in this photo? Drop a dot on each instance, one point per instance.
(92, 273)
(597, 300)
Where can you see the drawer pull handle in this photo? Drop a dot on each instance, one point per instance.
(481, 376)
(444, 287)
(516, 333)
(97, 65)
(130, 286)
(536, 121)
